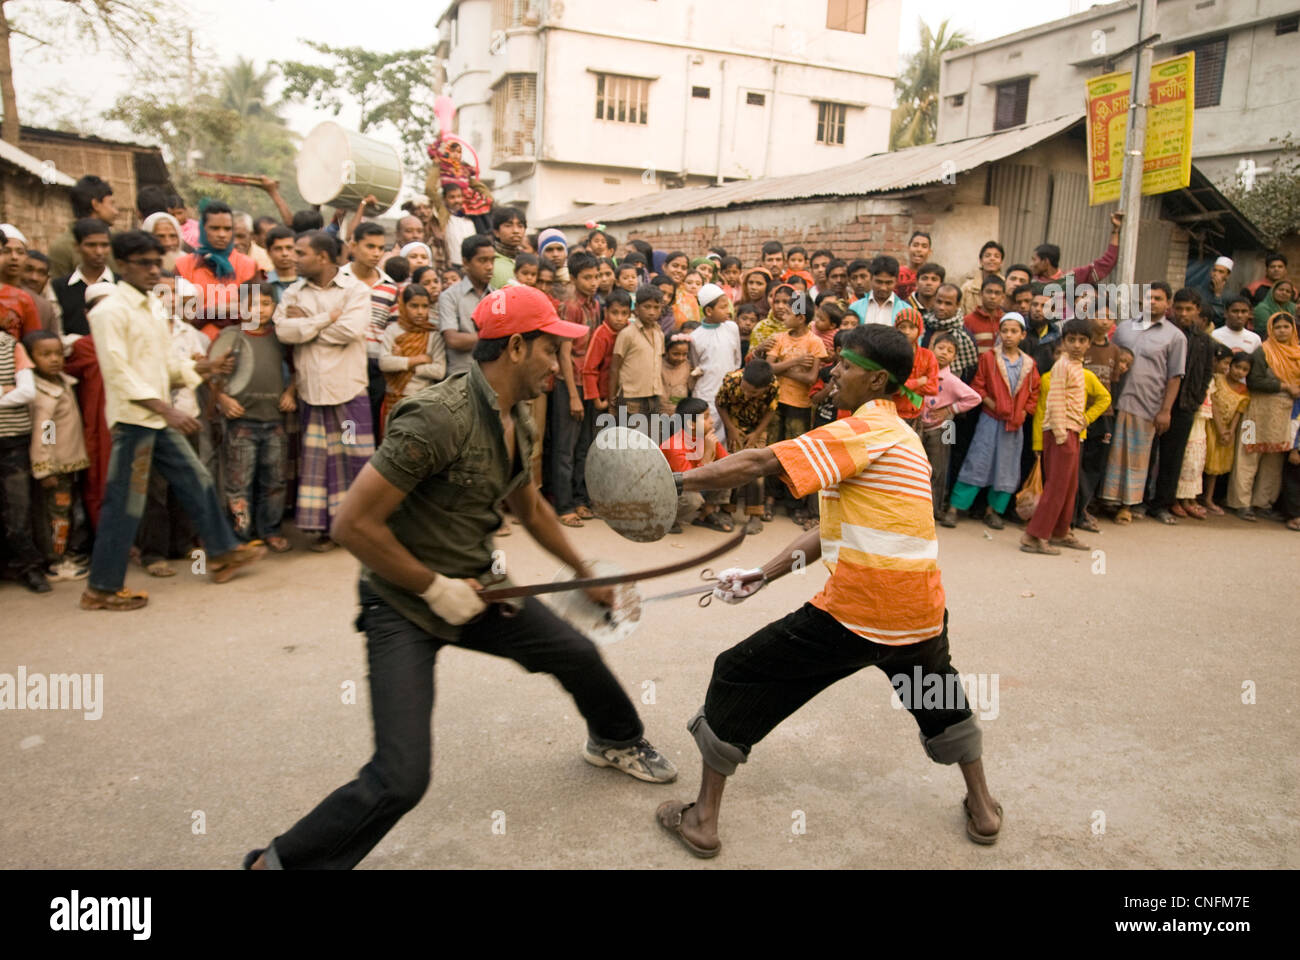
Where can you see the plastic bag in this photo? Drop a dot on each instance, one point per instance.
(1027, 498)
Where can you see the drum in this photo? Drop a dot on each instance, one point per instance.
(339, 167)
(227, 340)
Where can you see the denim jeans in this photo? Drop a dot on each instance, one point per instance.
(136, 451)
(348, 823)
(256, 453)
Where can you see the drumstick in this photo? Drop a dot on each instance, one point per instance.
(237, 179)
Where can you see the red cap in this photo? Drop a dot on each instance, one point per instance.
(521, 309)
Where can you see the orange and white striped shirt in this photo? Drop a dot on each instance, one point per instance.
(877, 523)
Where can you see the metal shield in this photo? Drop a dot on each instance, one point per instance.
(631, 485)
(599, 623)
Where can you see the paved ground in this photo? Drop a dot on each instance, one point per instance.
(1120, 706)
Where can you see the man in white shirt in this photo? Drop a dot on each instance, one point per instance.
(1233, 334)
(883, 304)
(325, 314)
(133, 344)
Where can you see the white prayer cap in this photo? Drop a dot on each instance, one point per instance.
(1225, 262)
(1012, 315)
(708, 293)
(10, 231)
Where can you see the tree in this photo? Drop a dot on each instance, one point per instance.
(916, 118)
(1271, 202)
(136, 29)
(390, 88)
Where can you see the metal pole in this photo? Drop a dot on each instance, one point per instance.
(1134, 148)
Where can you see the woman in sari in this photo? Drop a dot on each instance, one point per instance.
(1279, 299)
(412, 355)
(686, 308)
(1228, 401)
(1274, 384)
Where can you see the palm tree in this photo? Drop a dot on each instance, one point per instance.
(916, 117)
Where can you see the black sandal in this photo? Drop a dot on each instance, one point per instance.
(715, 522)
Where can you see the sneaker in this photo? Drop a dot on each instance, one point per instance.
(67, 569)
(640, 760)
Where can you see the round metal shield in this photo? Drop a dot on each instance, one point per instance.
(601, 624)
(227, 340)
(631, 485)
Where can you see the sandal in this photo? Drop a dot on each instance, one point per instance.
(983, 839)
(584, 513)
(1124, 516)
(669, 816)
(227, 565)
(571, 520)
(1177, 510)
(1070, 542)
(1165, 517)
(279, 544)
(160, 568)
(768, 506)
(1211, 507)
(1293, 524)
(1037, 547)
(714, 521)
(1195, 510)
(121, 600)
(323, 544)
(1089, 523)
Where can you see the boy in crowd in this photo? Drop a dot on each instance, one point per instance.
(715, 345)
(729, 278)
(279, 247)
(92, 248)
(794, 355)
(746, 403)
(1237, 312)
(635, 369)
(694, 445)
(827, 320)
(918, 252)
(1102, 361)
(991, 256)
(924, 381)
(773, 258)
(746, 320)
(256, 451)
(19, 314)
(859, 276)
(984, 322)
(572, 419)
(929, 276)
(367, 251)
(509, 227)
(92, 198)
(17, 390)
(1070, 398)
(817, 265)
(883, 305)
(600, 351)
(938, 432)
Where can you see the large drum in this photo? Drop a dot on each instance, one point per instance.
(339, 168)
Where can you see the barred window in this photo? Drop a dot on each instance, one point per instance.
(622, 99)
(514, 109)
(1210, 55)
(1012, 104)
(830, 123)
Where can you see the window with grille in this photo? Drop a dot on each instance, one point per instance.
(847, 15)
(830, 123)
(514, 109)
(622, 99)
(1210, 55)
(755, 99)
(1287, 25)
(1012, 104)
(508, 13)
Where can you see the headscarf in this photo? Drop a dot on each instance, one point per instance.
(154, 219)
(218, 261)
(13, 233)
(416, 244)
(703, 260)
(1283, 358)
(805, 276)
(1267, 307)
(659, 257)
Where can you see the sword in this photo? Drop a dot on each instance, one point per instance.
(533, 589)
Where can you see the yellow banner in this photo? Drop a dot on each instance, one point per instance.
(1167, 161)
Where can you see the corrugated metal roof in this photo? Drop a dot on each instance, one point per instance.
(878, 173)
(37, 168)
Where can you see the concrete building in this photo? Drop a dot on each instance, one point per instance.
(574, 102)
(1023, 186)
(1247, 73)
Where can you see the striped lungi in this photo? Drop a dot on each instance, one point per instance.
(1125, 478)
(336, 443)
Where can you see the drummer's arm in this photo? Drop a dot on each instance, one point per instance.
(538, 518)
(272, 188)
(733, 471)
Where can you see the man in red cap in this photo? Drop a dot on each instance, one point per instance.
(420, 517)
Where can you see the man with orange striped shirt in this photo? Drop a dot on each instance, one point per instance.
(882, 606)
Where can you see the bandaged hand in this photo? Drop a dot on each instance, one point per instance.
(736, 584)
(456, 601)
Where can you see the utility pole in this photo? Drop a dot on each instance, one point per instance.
(1134, 149)
(189, 59)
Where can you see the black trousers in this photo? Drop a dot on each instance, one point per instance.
(1289, 503)
(348, 823)
(16, 503)
(772, 673)
(1171, 446)
(1092, 464)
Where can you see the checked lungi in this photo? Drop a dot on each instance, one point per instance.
(337, 441)
(1125, 478)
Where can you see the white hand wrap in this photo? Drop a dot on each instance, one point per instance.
(453, 600)
(736, 584)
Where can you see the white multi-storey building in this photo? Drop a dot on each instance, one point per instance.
(1247, 73)
(574, 102)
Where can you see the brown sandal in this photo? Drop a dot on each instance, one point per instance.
(160, 568)
(669, 816)
(228, 564)
(1037, 547)
(1072, 543)
(584, 513)
(121, 600)
(571, 520)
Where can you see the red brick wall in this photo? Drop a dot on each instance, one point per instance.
(860, 236)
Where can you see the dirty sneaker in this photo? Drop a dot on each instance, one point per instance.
(641, 760)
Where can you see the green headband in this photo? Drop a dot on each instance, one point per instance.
(859, 360)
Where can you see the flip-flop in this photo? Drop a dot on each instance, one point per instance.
(1124, 516)
(984, 839)
(160, 568)
(1197, 512)
(1089, 524)
(1038, 548)
(1213, 508)
(1071, 543)
(1178, 511)
(584, 513)
(669, 816)
(222, 572)
(279, 544)
(571, 520)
